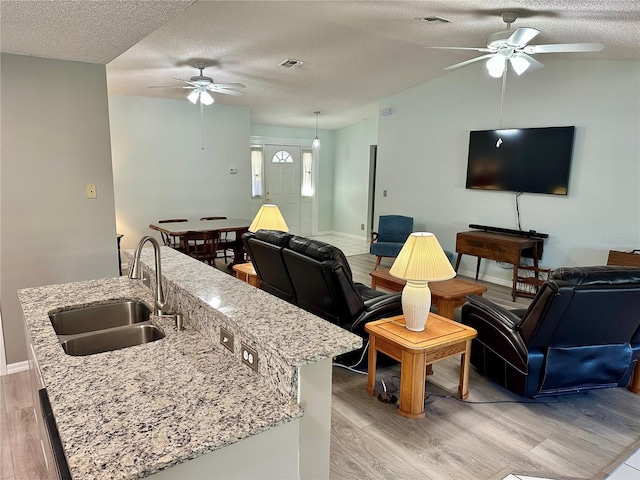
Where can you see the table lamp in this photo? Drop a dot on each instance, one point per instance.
(420, 261)
(268, 218)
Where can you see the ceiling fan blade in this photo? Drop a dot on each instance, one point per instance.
(475, 49)
(467, 62)
(183, 81)
(564, 47)
(226, 91)
(165, 86)
(521, 36)
(229, 85)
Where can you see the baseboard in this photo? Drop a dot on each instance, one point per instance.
(342, 234)
(17, 367)
(486, 278)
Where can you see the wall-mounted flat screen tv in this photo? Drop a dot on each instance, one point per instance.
(532, 160)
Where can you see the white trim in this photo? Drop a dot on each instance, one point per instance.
(3, 358)
(17, 367)
(304, 144)
(342, 234)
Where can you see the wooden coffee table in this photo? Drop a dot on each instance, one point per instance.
(445, 295)
(442, 338)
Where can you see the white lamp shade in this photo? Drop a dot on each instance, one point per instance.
(422, 259)
(268, 218)
(496, 65)
(193, 96)
(206, 98)
(519, 64)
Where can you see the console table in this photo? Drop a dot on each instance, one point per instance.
(501, 248)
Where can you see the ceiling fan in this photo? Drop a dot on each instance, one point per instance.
(513, 46)
(201, 86)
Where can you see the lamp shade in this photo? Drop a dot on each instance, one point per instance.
(422, 259)
(268, 218)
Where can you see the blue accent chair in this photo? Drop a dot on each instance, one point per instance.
(393, 231)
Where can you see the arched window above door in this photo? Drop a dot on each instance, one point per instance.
(282, 156)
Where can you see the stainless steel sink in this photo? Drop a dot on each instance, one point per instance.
(99, 317)
(105, 327)
(112, 339)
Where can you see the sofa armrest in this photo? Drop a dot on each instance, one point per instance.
(376, 308)
(497, 330)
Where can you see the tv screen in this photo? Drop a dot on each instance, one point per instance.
(532, 160)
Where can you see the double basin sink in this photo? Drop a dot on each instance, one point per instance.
(103, 328)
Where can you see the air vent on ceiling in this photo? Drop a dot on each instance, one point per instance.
(290, 63)
(433, 20)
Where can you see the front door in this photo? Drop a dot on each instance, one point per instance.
(282, 171)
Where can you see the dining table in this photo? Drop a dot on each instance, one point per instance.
(236, 225)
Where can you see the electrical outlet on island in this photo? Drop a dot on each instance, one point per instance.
(250, 357)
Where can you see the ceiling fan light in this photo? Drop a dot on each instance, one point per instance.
(206, 99)
(496, 65)
(519, 64)
(193, 96)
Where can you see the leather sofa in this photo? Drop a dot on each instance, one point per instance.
(580, 332)
(316, 277)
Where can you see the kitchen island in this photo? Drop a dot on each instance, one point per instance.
(184, 404)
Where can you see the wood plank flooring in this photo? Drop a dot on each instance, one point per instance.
(493, 434)
(488, 437)
(21, 456)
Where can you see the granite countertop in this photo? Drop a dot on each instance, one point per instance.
(132, 412)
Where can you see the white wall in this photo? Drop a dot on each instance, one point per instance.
(55, 140)
(422, 157)
(351, 176)
(160, 170)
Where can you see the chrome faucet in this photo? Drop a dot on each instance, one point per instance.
(134, 271)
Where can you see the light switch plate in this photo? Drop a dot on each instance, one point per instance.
(226, 339)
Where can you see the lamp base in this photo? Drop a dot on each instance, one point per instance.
(416, 303)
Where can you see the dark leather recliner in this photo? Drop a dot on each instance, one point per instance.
(580, 332)
(320, 278)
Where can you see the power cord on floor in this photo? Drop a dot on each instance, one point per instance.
(431, 397)
(351, 367)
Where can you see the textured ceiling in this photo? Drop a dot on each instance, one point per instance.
(354, 52)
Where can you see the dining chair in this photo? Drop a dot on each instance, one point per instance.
(226, 241)
(202, 246)
(171, 240)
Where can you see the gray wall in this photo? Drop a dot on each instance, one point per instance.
(55, 140)
(159, 167)
(352, 176)
(423, 146)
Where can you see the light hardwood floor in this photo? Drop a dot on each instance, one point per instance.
(493, 434)
(576, 436)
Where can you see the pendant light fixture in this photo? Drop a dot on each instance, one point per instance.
(316, 141)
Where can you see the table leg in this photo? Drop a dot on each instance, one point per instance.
(412, 378)
(371, 373)
(463, 387)
(634, 385)
(446, 308)
(478, 267)
(515, 280)
(458, 262)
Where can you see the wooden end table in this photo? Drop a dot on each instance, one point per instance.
(246, 273)
(442, 338)
(446, 295)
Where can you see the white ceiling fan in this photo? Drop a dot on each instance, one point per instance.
(200, 87)
(513, 46)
